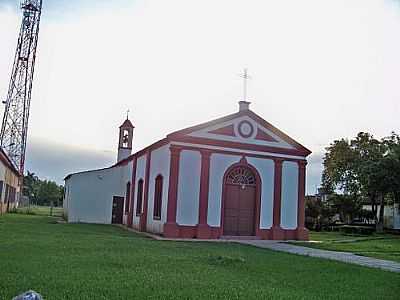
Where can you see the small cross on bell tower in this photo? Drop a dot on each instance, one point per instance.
(125, 139)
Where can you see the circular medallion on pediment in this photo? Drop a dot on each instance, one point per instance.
(245, 129)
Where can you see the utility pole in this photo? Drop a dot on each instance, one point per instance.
(16, 115)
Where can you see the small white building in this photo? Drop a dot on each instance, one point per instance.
(234, 176)
(391, 215)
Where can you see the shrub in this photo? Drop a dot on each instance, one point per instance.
(362, 230)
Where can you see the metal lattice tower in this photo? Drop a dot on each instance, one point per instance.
(15, 120)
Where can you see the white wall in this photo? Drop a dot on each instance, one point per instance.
(140, 174)
(265, 168)
(159, 164)
(90, 194)
(188, 188)
(123, 153)
(396, 217)
(290, 184)
(219, 163)
(2, 178)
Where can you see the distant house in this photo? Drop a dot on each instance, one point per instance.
(10, 180)
(391, 215)
(234, 176)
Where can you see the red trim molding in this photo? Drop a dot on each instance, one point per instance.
(203, 230)
(276, 230)
(143, 216)
(285, 234)
(246, 154)
(131, 206)
(190, 232)
(301, 232)
(170, 227)
(237, 145)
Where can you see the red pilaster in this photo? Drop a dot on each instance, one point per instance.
(143, 216)
(170, 227)
(203, 230)
(132, 200)
(277, 232)
(301, 232)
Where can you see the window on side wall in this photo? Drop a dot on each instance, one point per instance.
(127, 197)
(139, 197)
(158, 197)
(1, 190)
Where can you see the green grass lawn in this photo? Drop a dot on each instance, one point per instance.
(41, 210)
(78, 261)
(384, 246)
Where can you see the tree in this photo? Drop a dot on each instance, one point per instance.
(346, 206)
(318, 213)
(42, 192)
(364, 168)
(30, 185)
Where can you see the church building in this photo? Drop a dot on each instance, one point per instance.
(234, 176)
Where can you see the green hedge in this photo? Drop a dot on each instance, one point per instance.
(351, 229)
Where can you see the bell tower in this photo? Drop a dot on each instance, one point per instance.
(125, 140)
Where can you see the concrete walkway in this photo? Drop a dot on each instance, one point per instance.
(346, 257)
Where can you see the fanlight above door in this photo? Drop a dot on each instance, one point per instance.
(241, 176)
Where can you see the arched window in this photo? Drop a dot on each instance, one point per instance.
(127, 197)
(241, 176)
(139, 198)
(158, 197)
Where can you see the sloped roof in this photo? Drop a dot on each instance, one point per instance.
(127, 124)
(7, 162)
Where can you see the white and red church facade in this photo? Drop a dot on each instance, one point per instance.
(234, 176)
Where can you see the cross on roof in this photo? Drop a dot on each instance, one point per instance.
(245, 77)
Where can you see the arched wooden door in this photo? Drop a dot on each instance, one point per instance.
(240, 202)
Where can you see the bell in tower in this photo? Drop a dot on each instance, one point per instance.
(125, 140)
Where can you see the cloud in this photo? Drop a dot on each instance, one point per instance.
(54, 161)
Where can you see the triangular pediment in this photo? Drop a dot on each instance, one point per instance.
(244, 130)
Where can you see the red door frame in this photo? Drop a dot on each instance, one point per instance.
(243, 163)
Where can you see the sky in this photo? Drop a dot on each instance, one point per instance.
(321, 70)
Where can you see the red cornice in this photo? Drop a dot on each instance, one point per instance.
(236, 145)
(243, 153)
